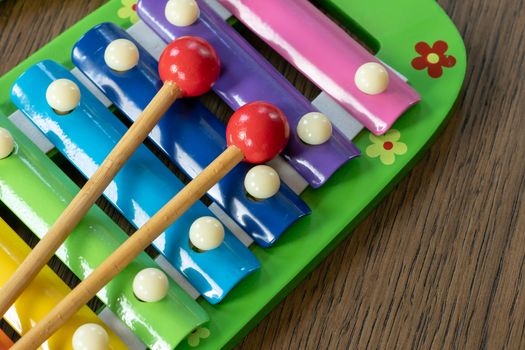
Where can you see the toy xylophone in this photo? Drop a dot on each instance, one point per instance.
(384, 108)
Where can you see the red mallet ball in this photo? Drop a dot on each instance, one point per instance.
(191, 63)
(260, 130)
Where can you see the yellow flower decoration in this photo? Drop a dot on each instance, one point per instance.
(195, 337)
(129, 11)
(386, 147)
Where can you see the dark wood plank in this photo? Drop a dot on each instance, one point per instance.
(439, 264)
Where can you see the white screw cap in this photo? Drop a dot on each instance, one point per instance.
(90, 336)
(63, 95)
(150, 285)
(206, 233)
(7, 144)
(121, 55)
(262, 182)
(372, 78)
(182, 13)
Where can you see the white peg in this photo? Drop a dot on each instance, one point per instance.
(90, 336)
(262, 182)
(182, 13)
(372, 78)
(6, 143)
(121, 55)
(206, 233)
(63, 95)
(150, 285)
(314, 128)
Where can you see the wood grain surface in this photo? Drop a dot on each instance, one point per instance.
(440, 262)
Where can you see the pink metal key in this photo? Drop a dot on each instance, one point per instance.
(327, 55)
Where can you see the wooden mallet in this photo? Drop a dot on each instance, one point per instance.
(256, 133)
(189, 66)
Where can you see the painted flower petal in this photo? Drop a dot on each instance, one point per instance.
(448, 61)
(376, 139)
(388, 158)
(127, 11)
(373, 151)
(193, 340)
(435, 70)
(134, 18)
(392, 135)
(203, 332)
(440, 47)
(124, 12)
(423, 48)
(419, 63)
(399, 148)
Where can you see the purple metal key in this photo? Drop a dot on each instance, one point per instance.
(246, 76)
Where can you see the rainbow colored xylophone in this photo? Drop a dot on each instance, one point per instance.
(239, 282)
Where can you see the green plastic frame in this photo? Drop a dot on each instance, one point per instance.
(393, 28)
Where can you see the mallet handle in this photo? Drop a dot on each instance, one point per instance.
(87, 196)
(132, 247)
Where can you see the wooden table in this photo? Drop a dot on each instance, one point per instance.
(440, 263)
